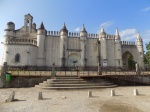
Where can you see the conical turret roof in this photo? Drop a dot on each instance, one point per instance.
(64, 28)
(83, 29)
(139, 37)
(102, 30)
(117, 33)
(117, 36)
(42, 26)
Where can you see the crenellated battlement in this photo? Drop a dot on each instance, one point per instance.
(53, 33)
(110, 36)
(73, 34)
(22, 41)
(91, 35)
(127, 43)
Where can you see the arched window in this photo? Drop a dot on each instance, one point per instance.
(17, 58)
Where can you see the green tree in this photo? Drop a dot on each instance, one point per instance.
(131, 62)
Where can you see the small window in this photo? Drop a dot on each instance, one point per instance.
(17, 58)
(28, 21)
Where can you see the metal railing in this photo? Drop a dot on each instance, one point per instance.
(86, 71)
(120, 73)
(87, 68)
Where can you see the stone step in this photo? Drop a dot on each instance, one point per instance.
(67, 82)
(56, 80)
(67, 77)
(70, 82)
(77, 87)
(74, 85)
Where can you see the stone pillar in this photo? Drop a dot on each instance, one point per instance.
(138, 72)
(135, 92)
(89, 94)
(3, 72)
(40, 96)
(53, 73)
(112, 92)
(11, 97)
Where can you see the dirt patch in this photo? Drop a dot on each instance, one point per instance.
(118, 108)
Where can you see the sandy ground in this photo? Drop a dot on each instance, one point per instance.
(76, 100)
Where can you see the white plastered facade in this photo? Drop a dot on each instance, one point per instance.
(39, 47)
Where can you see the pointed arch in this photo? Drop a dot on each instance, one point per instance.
(17, 58)
(128, 59)
(73, 59)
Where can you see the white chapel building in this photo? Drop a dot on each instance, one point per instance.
(31, 46)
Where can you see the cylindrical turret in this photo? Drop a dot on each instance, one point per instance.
(41, 34)
(118, 49)
(8, 34)
(83, 36)
(10, 26)
(139, 40)
(63, 45)
(9, 31)
(103, 47)
(140, 51)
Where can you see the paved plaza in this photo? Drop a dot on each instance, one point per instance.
(26, 100)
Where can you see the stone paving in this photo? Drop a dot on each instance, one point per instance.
(76, 100)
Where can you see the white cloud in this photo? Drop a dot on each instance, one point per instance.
(146, 36)
(146, 9)
(107, 24)
(128, 34)
(77, 29)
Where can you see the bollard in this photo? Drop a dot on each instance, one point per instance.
(63, 97)
(112, 92)
(11, 97)
(89, 94)
(40, 96)
(135, 92)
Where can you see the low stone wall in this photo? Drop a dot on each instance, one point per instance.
(129, 80)
(27, 81)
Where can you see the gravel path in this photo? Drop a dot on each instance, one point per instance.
(76, 100)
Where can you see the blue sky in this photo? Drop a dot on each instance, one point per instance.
(130, 16)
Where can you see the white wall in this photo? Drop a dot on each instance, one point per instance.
(91, 52)
(73, 43)
(110, 52)
(26, 58)
(52, 50)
